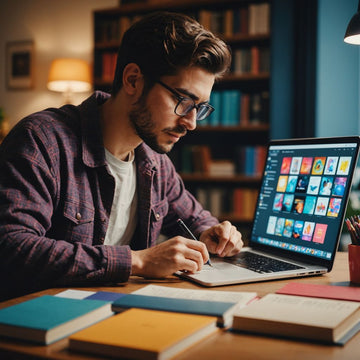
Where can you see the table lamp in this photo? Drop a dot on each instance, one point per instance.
(352, 34)
(69, 76)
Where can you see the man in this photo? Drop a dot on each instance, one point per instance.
(86, 190)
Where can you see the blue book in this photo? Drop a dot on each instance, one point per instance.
(47, 318)
(222, 310)
(215, 101)
(105, 296)
(250, 161)
(230, 114)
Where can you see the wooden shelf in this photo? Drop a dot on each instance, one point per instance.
(236, 38)
(170, 5)
(205, 178)
(230, 78)
(239, 128)
(245, 77)
(238, 219)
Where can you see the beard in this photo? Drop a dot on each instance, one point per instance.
(144, 126)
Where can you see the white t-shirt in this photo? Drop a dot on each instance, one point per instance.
(123, 217)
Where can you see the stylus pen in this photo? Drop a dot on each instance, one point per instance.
(188, 232)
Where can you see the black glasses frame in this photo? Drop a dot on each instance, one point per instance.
(203, 110)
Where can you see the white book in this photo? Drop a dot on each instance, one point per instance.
(324, 320)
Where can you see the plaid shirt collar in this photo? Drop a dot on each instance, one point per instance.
(93, 152)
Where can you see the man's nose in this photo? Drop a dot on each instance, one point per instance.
(189, 120)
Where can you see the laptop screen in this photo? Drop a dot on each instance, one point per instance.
(303, 195)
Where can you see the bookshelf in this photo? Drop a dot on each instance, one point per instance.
(238, 131)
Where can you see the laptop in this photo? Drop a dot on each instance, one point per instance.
(299, 213)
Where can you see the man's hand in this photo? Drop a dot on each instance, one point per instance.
(168, 257)
(222, 239)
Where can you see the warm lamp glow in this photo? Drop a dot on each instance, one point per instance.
(69, 75)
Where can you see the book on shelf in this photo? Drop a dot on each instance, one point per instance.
(219, 201)
(321, 320)
(244, 202)
(215, 118)
(143, 334)
(241, 20)
(229, 26)
(234, 108)
(259, 18)
(241, 61)
(108, 66)
(195, 159)
(250, 160)
(47, 318)
(106, 31)
(112, 30)
(221, 167)
(230, 107)
(253, 19)
(222, 310)
(349, 293)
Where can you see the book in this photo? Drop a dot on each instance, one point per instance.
(221, 310)
(314, 319)
(143, 334)
(47, 318)
(230, 110)
(348, 293)
(90, 295)
(105, 296)
(202, 302)
(241, 298)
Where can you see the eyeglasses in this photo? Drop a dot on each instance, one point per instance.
(186, 104)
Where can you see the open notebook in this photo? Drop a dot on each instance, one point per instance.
(299, 213)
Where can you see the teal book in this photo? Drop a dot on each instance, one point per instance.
(215, 101)
(230, 107)
(223, 311)
(47, 318)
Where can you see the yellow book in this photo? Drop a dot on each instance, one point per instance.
(324, 320)
(143, 334)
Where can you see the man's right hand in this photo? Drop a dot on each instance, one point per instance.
(164, 259)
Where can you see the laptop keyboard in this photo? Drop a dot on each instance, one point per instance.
(261, 264)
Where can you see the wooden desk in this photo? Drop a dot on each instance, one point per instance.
(225, 345)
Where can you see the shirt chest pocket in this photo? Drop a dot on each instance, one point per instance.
(158, 212)
(80, 220)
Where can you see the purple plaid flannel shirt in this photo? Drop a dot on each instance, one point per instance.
(55, 199)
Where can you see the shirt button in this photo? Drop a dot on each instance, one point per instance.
(78, 216)
(157, 216)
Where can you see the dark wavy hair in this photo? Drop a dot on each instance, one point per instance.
(162, 43)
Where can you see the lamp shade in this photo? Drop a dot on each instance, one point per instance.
(69, 75)
(352, 34)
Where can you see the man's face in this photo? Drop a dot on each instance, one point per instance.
(153, 116)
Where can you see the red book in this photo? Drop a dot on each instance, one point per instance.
(321, 291)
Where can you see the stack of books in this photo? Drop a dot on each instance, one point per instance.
(158, 322)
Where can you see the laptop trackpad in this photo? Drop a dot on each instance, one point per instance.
(224, 271)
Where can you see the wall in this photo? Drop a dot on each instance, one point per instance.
(337, 95)
(282, 69)
(59, 28)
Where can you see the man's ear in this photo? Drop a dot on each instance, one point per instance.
(132, 79)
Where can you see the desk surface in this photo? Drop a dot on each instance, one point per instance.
(224, 345)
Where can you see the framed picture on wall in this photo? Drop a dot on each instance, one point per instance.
(20, 64)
